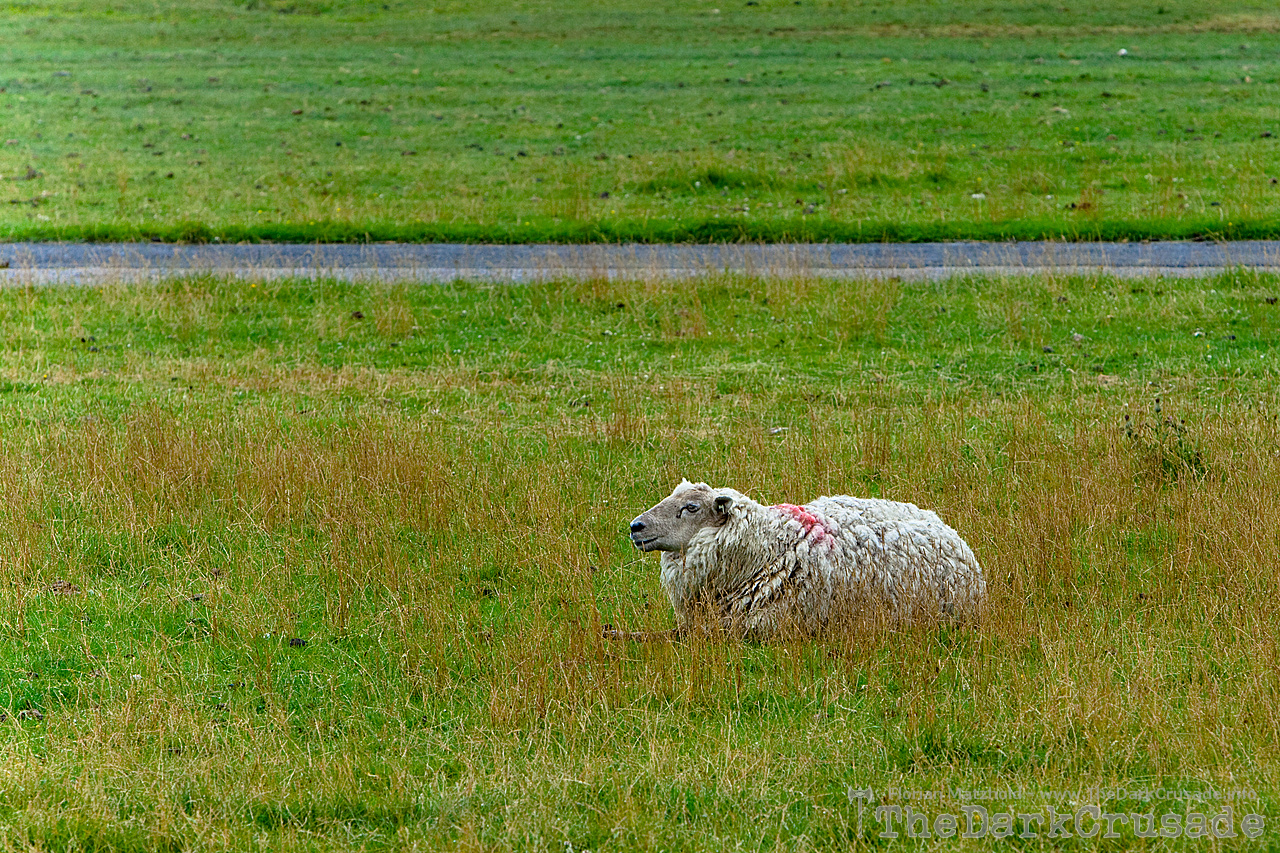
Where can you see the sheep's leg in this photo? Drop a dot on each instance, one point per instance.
(643, 636)
(725, 627)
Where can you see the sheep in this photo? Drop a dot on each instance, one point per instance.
(764, 572)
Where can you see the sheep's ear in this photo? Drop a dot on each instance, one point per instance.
(723, 504)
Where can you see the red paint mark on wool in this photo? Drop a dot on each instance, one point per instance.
(812, 526)
(807, 519)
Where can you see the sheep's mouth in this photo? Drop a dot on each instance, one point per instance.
(643, 544)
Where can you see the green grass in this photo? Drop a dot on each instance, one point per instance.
(275, 576)
(301, 121)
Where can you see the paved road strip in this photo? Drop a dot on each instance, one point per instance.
(79, 263)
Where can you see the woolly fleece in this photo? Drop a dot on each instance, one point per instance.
(762, 571)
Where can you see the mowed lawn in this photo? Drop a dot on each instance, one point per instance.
(308, 566)
(769, 120)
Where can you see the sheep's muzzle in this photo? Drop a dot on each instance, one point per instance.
(641, 537)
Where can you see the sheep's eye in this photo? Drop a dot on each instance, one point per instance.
(691, 508)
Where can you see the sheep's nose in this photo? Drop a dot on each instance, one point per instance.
(637, 526)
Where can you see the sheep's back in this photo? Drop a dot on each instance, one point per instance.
(902, 557)
(847, 509)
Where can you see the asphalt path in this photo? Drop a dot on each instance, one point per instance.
(97, 263)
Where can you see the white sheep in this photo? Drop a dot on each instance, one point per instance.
(757, 571)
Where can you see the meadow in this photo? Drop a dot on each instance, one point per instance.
(319, 566)
(304, 120)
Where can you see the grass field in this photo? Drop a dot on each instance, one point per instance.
(323, 567)
(313, 120)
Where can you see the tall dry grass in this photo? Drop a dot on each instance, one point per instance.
(322, 620)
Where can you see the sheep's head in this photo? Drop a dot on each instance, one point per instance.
(672, 523)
